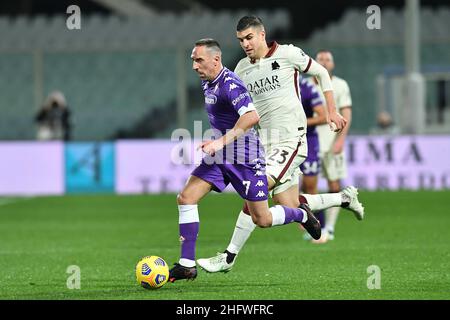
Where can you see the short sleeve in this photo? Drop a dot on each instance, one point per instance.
(299, 58)
(239, 97)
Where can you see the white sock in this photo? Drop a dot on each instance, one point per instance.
(278, 215)
(244, 227)
(323, 200)
(187, 263)
(188, 213)
(331, 218)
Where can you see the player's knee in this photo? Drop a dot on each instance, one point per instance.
(334, 186)
(180, 199)
(310, 189)
(335, 189)
(184, 198)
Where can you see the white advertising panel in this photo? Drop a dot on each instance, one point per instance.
(31, 168)
(374, 163)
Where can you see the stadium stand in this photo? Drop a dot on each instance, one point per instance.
(113, 71)
(362, 54)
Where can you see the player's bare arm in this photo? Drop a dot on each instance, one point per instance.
(320, 116)
(338, 145)
(332, 116)
(324, 80)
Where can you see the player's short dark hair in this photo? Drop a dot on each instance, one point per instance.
(323, 51)
(249, 21)
(209, 43)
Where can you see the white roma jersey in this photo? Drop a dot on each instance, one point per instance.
(273, 85)
(342, 98)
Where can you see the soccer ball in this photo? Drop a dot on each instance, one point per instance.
(152, 272)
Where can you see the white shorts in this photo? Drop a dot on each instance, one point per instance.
(283, 162)
(334, 166)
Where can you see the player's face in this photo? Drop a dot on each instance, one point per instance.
(251, 40)
(204, 63)
(326, 60)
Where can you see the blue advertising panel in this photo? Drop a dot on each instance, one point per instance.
(90, 167)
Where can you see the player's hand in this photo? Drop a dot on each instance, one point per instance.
(204, 144)
(211, 147)
(336, 122)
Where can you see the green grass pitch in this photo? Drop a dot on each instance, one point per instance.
(405, 234)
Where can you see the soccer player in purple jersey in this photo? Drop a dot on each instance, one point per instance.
(232, 114)
(313, 106)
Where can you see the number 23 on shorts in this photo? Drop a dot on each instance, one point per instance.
(279, 156)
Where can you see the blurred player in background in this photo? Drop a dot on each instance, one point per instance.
(232, 114)
(315, 113)
(332, 144)
(270, 72)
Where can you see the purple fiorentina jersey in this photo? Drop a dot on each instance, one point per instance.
(310, 98)
(241, 163)
(226, 99)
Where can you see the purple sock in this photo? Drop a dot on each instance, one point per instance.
(292, 214)
(188, 238)
(320, 215)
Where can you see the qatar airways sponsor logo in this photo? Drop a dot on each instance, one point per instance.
(210, 99)
(240, 97)
(264, 85)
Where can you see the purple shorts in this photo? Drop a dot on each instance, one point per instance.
(311, 165)
(249, 180)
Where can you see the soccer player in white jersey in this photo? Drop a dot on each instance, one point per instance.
(332, 154)
(270, 72)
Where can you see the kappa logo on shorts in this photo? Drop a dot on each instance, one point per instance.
(260, 194)
(257, 166)
(260, 183)
(259, 173)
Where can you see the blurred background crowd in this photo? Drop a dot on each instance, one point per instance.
(125, 73)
